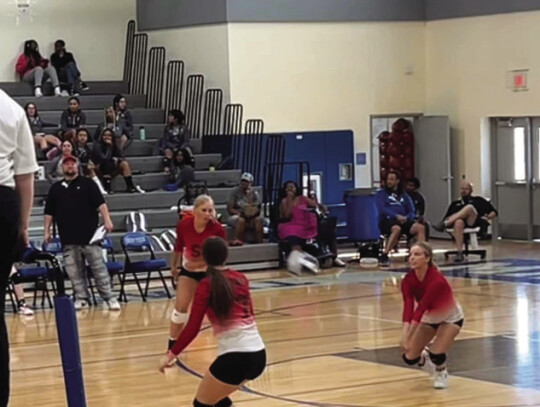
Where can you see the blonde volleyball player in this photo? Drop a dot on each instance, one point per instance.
(188, 267)
(224, 297)
(437, 315)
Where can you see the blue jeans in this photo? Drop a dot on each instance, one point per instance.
(70, 73)
(76, 270)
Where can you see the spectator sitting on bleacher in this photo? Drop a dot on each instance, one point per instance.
(32, 67)
(176, 136)
(297, 222)
(72, 118)
(66, 68)
(244, 208)
(54, 171)
(182, 170)
(47, 144)
(109, 162)
(122, 134)
(396, 215)
(469, 211)
(84, 153)
(123, 115)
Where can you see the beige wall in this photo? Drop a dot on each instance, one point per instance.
(93, 30)
(204, 50)
(466, 64)
(327, 76)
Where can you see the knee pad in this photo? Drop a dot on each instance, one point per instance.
(438, 359)
(410, 362)
(197, 403)
(179, 317)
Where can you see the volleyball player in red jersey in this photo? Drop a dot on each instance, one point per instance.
(437, 315)
(191, 232)
(225, 298)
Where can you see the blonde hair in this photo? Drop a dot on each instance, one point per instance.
(427, 249)
(201, 200)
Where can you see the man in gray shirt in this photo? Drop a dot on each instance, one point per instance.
(244, 208)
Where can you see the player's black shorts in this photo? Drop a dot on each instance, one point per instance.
(195, 275)
(236, 367)
(458, 323)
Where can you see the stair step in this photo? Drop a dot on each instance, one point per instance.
(150, 182)
(88, 102)
(96, 88)
(96, 116)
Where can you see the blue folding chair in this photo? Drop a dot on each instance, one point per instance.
(54, 247)
(141, 242)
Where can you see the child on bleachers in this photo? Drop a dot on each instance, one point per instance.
(72, 118)
(32, 68)
(67, 69)
(123, 115)
(176, 135)
(121, 133)
(182, 171)
(46, 144)
(109, 162)
(84, 153)
(54, 171)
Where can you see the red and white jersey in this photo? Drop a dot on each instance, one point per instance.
(238, 333)
(189, 242)
(433, 296)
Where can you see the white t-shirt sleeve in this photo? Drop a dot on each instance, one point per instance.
(24, 157)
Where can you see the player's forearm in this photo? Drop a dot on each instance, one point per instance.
(24, 185)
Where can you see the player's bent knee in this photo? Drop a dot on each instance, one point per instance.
(179, 318)
(437, 358)
(410, 362)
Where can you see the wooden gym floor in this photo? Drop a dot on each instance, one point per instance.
(331, 341)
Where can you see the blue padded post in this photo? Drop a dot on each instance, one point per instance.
(68, 339)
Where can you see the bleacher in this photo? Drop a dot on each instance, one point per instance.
(156, 204)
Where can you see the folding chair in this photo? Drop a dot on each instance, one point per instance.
(141, 242)
(114, 267)
(470, 240)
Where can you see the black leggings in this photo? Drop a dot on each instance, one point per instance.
(9, 227)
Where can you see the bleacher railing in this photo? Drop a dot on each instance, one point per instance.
(232, 120)
(138, 73)
(174, 86)
(273, 169)
(156, 77)
(128, 55)
(249, 148)
(213, 105)
(193, 105)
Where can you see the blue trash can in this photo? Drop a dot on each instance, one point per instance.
(362, 215)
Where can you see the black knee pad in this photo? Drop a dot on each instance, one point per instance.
(197, 403)
(226, 402)
(438, 359)
(410, 362)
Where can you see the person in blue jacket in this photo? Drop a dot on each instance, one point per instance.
(396, 215)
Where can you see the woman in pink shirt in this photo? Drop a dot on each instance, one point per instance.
(432, 317)
(32, 68)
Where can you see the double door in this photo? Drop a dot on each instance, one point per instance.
(516, 175)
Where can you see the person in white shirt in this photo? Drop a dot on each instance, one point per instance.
(17, 167)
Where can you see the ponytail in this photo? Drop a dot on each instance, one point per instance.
(215, 252)
(221, 294)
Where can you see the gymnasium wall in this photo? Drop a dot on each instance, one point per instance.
(327, 76)
(466, 66)
(93, 30)
(204, 50)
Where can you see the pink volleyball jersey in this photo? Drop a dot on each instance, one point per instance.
(238, 332)
(434, 299)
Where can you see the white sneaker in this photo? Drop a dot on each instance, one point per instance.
(114, 305)
(338, 262)
(26, 310)
(426, 364)
(440, 379)
(57, 91)
(64, 93)
(139, 189)
(81, 304)
(37, 92)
